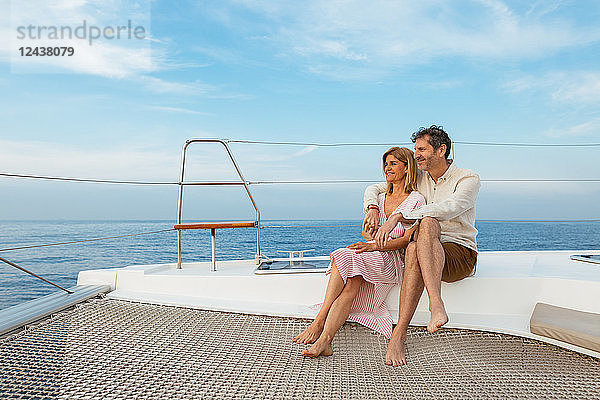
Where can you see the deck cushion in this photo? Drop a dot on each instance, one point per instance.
(576, 327)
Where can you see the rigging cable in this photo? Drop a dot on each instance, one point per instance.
(126, 182)
(12, 264)
(86, 240)
(409, 143)
(56, 178)
(269, 182)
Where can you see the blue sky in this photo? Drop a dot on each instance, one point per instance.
(337, 71)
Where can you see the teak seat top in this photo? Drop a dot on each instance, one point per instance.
(217, 225)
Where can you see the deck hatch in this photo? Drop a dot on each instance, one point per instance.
(292, 267)
(591, 258)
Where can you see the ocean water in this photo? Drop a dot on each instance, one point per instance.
(61, 264)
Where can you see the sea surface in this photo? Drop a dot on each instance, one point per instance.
(61, 264)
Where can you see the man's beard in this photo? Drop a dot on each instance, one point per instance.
(424, 166)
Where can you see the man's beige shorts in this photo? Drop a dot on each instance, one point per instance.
(460, 262)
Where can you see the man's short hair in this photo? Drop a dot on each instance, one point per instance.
(437, 137)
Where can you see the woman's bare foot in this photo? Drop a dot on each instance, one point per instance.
(310, 334)
(320, 348)
(438, 318)
(396, 351)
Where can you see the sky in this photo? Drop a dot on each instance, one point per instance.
(324, 72)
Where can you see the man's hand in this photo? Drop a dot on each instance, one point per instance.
(371, 221)
(362, 247)
(383, 234)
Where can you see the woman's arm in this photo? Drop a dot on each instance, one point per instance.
(383, 233)
(399, 243)
(381, 236)
(392, 244)
(371, 193)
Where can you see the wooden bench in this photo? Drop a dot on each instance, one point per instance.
(213, 226)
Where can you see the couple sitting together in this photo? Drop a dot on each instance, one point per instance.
(419, 230)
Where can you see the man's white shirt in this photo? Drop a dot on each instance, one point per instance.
(451, 201)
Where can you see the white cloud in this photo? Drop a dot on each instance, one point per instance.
(54, 159)
(385, 35)
(579, 88)
(331, 48)
(5, 31)
(101, 59)
(130, 60)
(162, 86)
(197, 88)
(178, 110)
(543, 7)
(283, 154)
(574, 87)
(148, 162)
(304, 151)
(588, 128)
(116, 58)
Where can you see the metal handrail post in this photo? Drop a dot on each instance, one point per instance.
(213, 233)
(224, 142)
(180, 203)
(258, 253)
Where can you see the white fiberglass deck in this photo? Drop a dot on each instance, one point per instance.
(500, 297)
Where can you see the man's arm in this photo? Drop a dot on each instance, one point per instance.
(371, 193)
(461, 200)
(372, 215)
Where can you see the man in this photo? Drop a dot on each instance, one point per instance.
(444, 246)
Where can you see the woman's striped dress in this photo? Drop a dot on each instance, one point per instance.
(381, 270)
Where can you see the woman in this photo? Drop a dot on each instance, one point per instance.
(362, 274)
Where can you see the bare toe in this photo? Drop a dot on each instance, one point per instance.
(310, 334)
(318, 349)
(396, 352)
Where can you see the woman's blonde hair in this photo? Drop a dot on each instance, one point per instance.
(406, 156)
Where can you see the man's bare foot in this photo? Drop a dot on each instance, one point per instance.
(396, 351)
(320, 348)
(438, 318)
(310, 334)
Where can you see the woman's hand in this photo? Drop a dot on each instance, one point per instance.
(383, 233)
(371, 221)
(362, 247)
(367, 236)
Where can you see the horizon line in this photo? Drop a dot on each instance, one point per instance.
(274, 219)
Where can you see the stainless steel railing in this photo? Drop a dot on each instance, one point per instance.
(243, 182)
